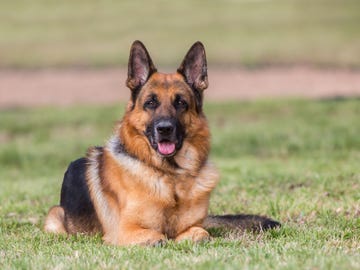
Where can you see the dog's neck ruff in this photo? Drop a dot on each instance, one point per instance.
(205, 179)
(132, 164)
(117, 149)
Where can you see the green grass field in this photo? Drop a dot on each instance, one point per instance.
(93, 33)
(296, 161)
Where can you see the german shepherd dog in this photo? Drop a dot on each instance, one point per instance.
(152, 180)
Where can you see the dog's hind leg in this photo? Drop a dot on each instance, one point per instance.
(55, 220)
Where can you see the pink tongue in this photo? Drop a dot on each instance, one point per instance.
(166, 148)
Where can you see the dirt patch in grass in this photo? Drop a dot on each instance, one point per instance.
(24, 88)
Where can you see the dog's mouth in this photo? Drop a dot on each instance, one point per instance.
(166, 148)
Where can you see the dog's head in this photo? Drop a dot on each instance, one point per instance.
(166, 108)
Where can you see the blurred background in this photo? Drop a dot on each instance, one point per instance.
(250, 33)
(255, 48)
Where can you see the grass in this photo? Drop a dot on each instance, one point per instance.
(49, 33)
(294, 160)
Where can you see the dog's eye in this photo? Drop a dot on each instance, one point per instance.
(151, 104)
(180, 103)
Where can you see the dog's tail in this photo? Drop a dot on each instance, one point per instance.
(240, 222)
(54, 222)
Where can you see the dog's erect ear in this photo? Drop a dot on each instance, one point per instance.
(140, 66)
(194, 68)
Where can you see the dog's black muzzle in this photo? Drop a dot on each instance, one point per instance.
(165, 135)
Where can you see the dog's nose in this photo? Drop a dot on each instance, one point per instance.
(165, 127)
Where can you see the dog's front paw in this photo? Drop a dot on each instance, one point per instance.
(195, 234)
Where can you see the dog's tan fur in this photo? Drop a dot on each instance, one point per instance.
(146, 199)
